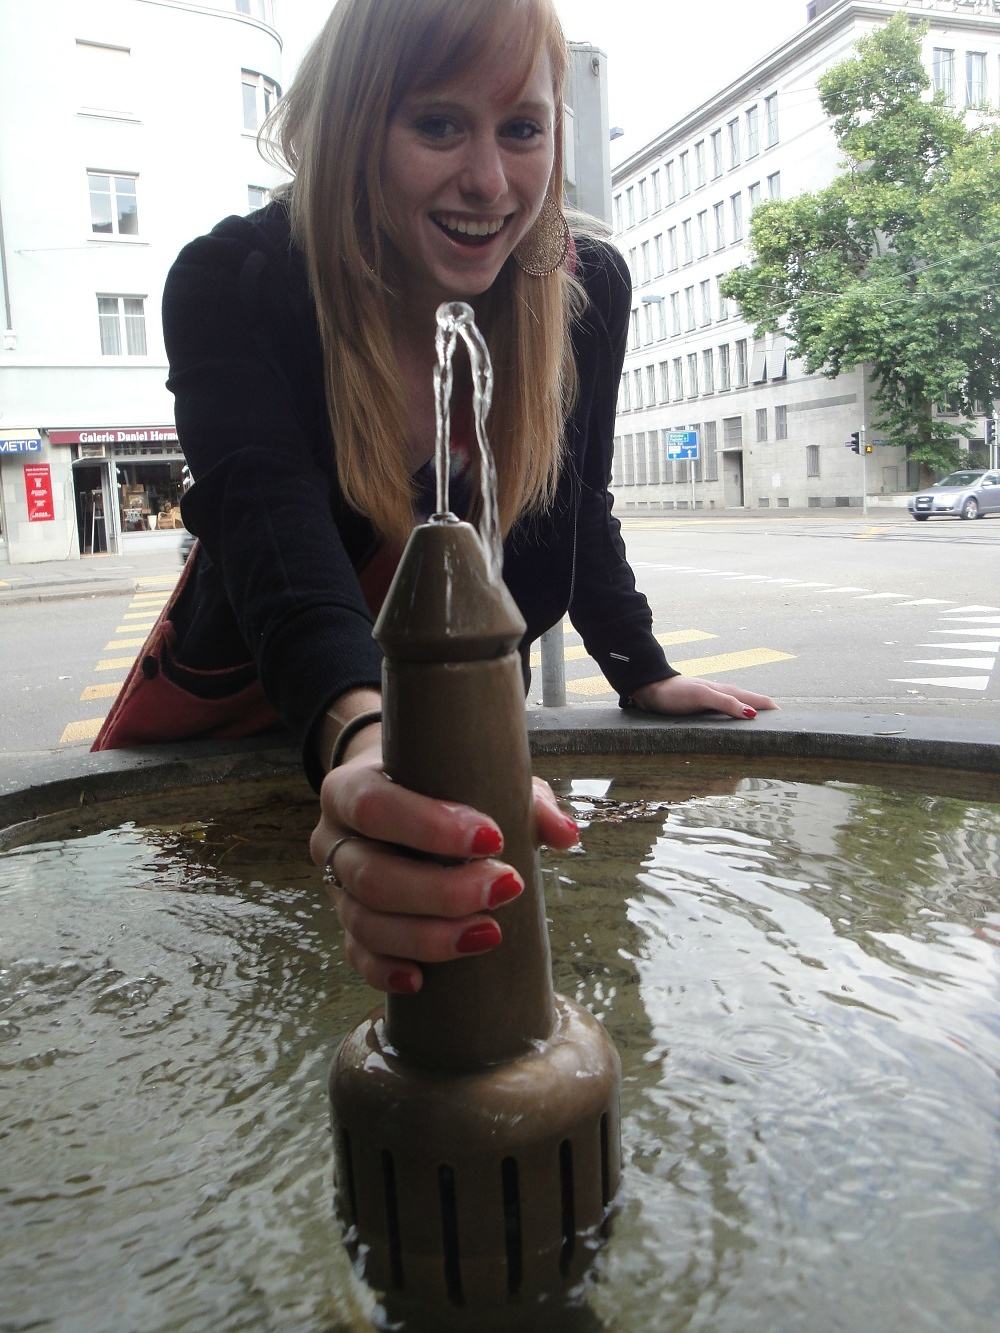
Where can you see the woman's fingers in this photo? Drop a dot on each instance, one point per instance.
(381, 878)
(359, 797)
(552, 826)
(682, 695)
(419, 939)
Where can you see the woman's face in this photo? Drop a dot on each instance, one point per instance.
(464, 174)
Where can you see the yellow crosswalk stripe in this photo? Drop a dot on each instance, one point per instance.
(124, 643)
(675, 636)
(157, 581)
(139, 628)
(141, 613)
(692, 666)
(114, 663)
(145, 600)
(105, 691)
(85, 730)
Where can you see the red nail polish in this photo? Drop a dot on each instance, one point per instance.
(571, 825)
(749, 712)
(487, 841)
(403, 983)
(479, 938)
(502, 890)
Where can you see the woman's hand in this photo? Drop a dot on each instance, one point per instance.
(398, 910)
(686, 694)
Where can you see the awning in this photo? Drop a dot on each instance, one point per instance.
(113, 435)
(758, 365)
(777, 358)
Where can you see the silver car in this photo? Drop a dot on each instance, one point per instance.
(966, 494)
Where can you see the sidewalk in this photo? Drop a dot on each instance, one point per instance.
(145, 556)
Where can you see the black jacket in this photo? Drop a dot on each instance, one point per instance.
(275, 585)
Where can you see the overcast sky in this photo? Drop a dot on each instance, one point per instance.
(664, 56)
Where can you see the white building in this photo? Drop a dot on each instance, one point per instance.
(127, 127)
(770, 435)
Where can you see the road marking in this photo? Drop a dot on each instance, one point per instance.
(993, 647)
(960, 609)
(949, 682)
(882, 596)
(81, 731)
(666, 640)
(954, 629)
(157, 581)
(124, 643)
(132, 629)
(114, 663)
(978, 663)
(106, 691)
(927, 601)
(143, 614)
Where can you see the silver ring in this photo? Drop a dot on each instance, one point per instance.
(329, 874)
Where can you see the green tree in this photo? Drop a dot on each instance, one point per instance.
(896, 262)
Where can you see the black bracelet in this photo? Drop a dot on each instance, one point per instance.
(349, 731)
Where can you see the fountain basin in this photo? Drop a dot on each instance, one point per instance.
(795, 952)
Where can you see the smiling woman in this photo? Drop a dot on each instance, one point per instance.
(425, 139)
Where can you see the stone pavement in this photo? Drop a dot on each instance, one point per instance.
(145, 556)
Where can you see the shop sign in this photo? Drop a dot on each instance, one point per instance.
(20, 446)
(115, 435)
(38, 489)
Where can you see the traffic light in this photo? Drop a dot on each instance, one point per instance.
(991, 430)
(869, 448)
(854, 443)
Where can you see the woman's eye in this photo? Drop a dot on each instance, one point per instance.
(524, 130)
(435, 127)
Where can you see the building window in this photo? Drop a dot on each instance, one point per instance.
(257, 196)
(741, 363)
(758, 366)
(637, 389)
(669, 173)
(654, 180)
(724, 378)
(643, 200)
(812, 460)
(737, 216)
(646, 272)
(732, 432)
(686, 241)
(672, 247)
(703, 233)
(685, 174)
(699, 162)
(708, 371)
(653, 454)
(774, 185)
(650, 384)
(678, 379)
(633, 331)
(647, 321)
(705, 288)
(260, 95)
(658, 254)
(122, 321)
(723, 303)
(975, 78)
(626, 393)
(640, 459)
(689, 306)
(661, 319)
(734, 143)
(716, 153)
(693, 375)
(630, 205)
(943, 73)
(781, 423)
(753, 132)
(113, 208)
(628, 461)
(664, 381)
(761, 425)
(618, 213)
(771, 116)
(753, 195)
(719, 213)
(675, 312)
(633, 264)
(710, 443)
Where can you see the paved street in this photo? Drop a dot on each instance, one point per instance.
(821, 609)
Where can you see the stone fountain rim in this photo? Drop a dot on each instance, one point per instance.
(46, 784)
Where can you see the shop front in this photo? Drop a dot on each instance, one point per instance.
(126, 479)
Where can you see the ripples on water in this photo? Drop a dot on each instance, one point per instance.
(801, 977)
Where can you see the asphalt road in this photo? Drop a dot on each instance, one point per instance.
(827, 610)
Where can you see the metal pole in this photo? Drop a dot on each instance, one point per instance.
(553, 668)
(691, 479)
(864, 470)
(995, 446)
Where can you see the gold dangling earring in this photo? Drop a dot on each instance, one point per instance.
(545, 246)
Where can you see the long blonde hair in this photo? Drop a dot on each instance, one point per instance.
(331, 128)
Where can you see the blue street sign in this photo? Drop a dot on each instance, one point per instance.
(682, 444)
